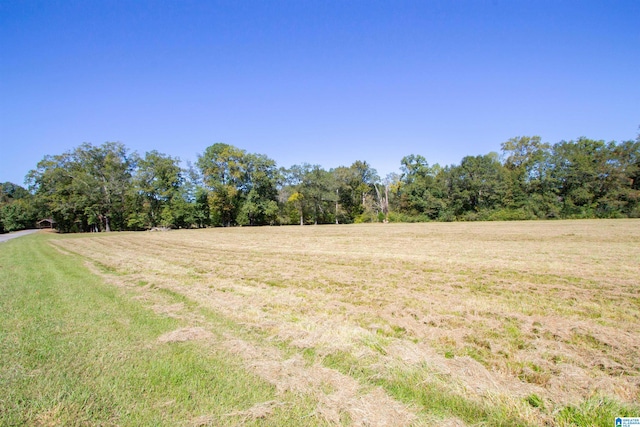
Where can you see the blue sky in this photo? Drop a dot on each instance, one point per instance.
(323, 82)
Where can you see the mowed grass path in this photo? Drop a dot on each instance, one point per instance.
(492, 324)
(77, 351)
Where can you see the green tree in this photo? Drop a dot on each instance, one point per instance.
(157, 183)
(259, 205)
(18, 210)
(625, 178)
(242, 187)
(85, 189)
(223, 170)
(196, 196)
(319, 189)
(526, 160)
(102, 175)
(348, 200)
(355, 189)
(420, 192)
(477, 186)
(52, 183)
(295, 192)
(596, 179)
(579, 170)
(310, 192)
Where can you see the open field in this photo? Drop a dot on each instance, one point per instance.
(504, 323)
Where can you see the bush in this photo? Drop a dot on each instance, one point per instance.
(401, 217)
(361, 219)
(368, 216)
(446, 216)
(471, 216)
(510, 215)
(16, 215)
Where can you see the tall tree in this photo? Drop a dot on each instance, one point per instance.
(477, 184)
(242, 186)
(319, 189)
(310, 191)
(528, 170)
(223, 170)
(296, 178)
(621, 194)
(580, 169)
(104, 175)
(158, 181)
(420, 192)
(17, 208)
(355, 188)
(85, 188)
(260, 204)
(594, 178)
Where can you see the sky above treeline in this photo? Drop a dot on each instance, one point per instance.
(322, 82)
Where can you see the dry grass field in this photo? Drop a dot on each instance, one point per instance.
(502, 323)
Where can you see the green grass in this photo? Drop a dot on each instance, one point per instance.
(76, 351)
(596, 411)
(410, 386)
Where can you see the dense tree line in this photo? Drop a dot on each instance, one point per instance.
(107, 187)
(17, 209)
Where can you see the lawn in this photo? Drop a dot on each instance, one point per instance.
(502, 323)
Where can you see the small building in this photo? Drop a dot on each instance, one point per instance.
(45, 223)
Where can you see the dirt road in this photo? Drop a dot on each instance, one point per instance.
(5, 237)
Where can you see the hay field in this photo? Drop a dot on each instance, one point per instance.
(500, 323)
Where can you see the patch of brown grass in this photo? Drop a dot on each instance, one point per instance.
(185, 334)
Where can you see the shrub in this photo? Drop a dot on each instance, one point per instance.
(510, 215)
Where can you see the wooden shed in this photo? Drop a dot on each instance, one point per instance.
(46, 223)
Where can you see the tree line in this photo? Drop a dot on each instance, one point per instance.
(108, 187)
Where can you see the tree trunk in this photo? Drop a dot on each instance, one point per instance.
(386, 203)
(337, 198)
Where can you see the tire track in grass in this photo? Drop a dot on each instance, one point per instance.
(340, 398)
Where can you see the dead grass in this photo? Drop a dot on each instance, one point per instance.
(185, 334)
(495, 310)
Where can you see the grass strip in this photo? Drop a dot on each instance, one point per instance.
(413, 388)
(75, 351)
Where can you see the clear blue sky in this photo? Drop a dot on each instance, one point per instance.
(323, 82)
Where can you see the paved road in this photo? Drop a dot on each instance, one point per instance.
(5, 237)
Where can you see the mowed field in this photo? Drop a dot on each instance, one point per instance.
(502, 323)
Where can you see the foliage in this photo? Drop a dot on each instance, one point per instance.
(157, 186)
(100, 188)
(17, 208)
(85, 189)
(420, 191)
(241, 186)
